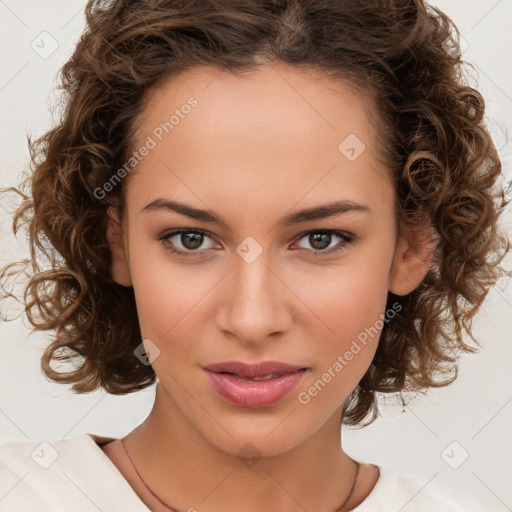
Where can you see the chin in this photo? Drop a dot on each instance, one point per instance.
(250, 438)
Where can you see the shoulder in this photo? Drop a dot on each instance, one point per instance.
(47, 458)
(30, 471)
(58, 475)
(394, 491)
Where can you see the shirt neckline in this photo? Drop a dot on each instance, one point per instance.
(96, 441)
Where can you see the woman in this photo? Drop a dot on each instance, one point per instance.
(274, 208)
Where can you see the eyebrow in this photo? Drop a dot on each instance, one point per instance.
(314, 213)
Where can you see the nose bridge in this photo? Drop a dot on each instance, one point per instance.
(255, 305)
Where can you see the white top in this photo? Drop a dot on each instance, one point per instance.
(75, 475)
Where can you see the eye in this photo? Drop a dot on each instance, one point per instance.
(321, 239)
(190, 240)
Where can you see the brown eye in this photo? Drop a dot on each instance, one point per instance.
(191, 240)
(321, 240)
(185, 242)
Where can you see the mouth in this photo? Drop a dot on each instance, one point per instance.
(256, 371)
(265, 377)
(254, 385)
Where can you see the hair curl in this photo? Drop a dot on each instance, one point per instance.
(404, 53)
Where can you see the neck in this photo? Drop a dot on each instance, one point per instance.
(185, 470)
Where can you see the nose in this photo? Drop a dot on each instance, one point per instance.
(256, 302)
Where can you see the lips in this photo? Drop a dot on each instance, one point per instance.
(254, 385)
(250, 371)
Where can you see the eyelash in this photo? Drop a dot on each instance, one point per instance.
(347, 239)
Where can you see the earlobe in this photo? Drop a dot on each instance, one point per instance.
(413, 258)
(120, 269)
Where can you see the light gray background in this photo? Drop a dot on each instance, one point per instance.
(475, 412)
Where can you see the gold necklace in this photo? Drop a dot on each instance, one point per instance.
(339, 509)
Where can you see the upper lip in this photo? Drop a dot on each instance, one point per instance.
(260, 369)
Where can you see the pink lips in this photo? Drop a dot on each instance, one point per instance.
(254, 385)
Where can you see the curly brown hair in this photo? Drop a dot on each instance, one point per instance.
(403, 53)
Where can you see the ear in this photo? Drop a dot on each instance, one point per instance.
(413, 256)
(119, 269)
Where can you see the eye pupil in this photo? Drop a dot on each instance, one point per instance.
(317, 237)
(197, 240)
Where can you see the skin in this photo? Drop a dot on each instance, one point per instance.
(254, 149)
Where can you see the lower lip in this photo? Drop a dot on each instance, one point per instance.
(254, 393)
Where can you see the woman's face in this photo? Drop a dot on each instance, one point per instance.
(263, 284)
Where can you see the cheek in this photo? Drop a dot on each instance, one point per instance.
(353, 309)
(164, 293)
(352, 305)
(354, 296)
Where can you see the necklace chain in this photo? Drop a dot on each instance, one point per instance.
(339, 509)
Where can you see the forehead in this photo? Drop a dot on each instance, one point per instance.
(278, 97)
(273, 129)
